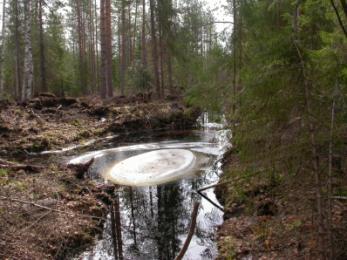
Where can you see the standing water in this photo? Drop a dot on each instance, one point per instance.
(155, 220)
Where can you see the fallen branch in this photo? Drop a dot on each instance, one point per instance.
(199, 191)
(213, 186)
(48, 208)
(191, 232)
(17, 166)
(339, 198)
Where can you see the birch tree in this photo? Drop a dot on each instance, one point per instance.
(27, 88)
(42, 49)
(2, 50)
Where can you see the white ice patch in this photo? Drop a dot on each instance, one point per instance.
(153, 168)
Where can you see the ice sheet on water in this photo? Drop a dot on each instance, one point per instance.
(152, 168)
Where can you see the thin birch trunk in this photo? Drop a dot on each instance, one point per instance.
(103, 87)
(97, 68)
(135, 31)
(162, 55)
(123, 49)
(155, 49)
(109, 49)
(143, 37)
(129, 36)
(27, 88)
(16, 35)
(42, 50)
(2, 51)
(92, 46)
(234, 56)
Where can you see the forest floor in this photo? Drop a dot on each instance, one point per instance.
(274, 220)
(46, 210)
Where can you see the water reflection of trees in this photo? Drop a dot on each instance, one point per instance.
(155, 219)
(152, 221)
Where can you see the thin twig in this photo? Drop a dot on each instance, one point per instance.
(213, 186)
(338, 17)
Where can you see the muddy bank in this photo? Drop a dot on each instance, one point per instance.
(271, 218)
(50, 213)
(49, 123)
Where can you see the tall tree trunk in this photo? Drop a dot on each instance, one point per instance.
(129, 36)
(106, 49)
(109, 49)
(81, 46)
(97, 68)
(240, 65)
(162, 57)
(155, 48)
(143, 36)
(103, 74)
(27, 88)
(16, 36)
(312, 136)
(2, 51)
(42, 50)
(92, 59)
(135, 31)
(234, 56)
(123, 49)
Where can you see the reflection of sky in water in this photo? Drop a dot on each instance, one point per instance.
(155, 220)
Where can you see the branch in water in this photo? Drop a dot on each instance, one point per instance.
(191, 232)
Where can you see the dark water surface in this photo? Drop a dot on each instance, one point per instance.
(155, 220)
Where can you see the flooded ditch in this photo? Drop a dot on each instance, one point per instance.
(153, 221)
